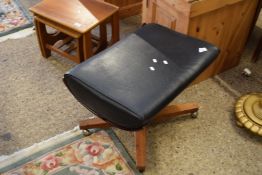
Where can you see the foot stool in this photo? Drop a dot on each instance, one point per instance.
(74, 21)
(131, 84)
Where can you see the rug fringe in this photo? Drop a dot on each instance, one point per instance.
(39, 146)
(17, 35)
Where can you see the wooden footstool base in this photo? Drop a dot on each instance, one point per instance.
(140, 135)
(73, 23)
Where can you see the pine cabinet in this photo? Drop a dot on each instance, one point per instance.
(225, 23)
(127, 7)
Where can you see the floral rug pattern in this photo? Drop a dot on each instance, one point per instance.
(13, 17)
(92, 155)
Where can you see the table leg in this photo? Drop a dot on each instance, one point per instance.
(79, 51)
(115, 28)
(42, 38)
(87, 45)
(103, 36)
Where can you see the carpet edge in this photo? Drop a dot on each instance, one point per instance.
(37, 147)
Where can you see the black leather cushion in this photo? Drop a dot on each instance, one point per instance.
(120, 85)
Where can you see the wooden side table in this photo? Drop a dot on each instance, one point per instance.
(74, 20)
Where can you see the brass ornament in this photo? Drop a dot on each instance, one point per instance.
(248, 111)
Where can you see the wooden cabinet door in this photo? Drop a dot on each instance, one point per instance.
(167, 13)
(127, 7)
(159, 11)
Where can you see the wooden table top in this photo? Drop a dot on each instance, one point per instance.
(79, 15)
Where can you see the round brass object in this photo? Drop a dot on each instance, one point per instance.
(248, 111)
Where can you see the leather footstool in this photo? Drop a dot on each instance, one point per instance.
(130, 83)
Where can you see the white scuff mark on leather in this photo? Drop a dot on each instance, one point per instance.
(152, 68)
(154, 60)
(202, 49)
(165, 62)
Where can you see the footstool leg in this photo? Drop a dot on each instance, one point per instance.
(42, 38)
(140, 137)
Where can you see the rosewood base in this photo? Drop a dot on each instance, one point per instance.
(140, 135)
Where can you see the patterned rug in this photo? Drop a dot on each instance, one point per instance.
(13, 17)
(100, 153)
